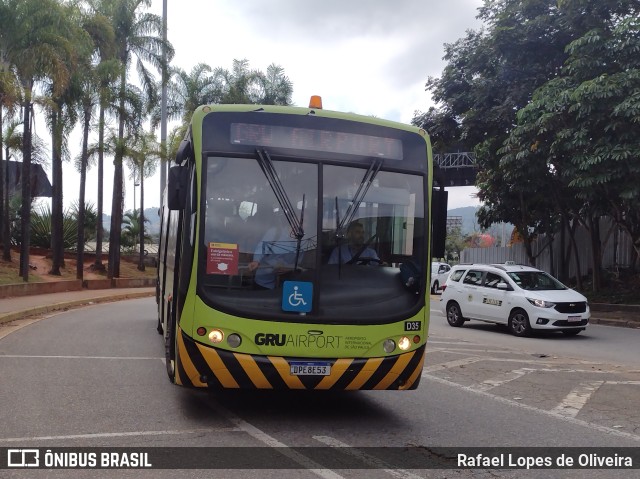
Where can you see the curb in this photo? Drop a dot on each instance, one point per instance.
(621, 323)
(63, 306)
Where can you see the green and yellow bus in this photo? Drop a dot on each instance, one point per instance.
(294, 251)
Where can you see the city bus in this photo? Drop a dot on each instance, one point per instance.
(294, 251)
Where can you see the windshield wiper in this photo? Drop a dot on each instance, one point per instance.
(365, 184)
(266, 165)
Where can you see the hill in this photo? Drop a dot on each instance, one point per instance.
(151, 217)
(468, 215)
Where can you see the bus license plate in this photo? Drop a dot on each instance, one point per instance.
(310, 369)
(574, 319)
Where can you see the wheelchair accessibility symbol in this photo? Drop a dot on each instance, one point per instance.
(297, 296)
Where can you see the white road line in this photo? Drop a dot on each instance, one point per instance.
(119, 434)
(270, 441)
(628, 383)
(502, 379)
(469, 350)
(23, 356)
(573, 402)
(571, 420)
(366, 458)
(518, 373)
(450, 364)
(457, 343)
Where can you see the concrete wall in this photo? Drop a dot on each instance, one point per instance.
(26, 289)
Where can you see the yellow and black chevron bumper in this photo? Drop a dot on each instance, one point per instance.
(202, 366)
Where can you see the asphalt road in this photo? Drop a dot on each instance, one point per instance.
(94, 377)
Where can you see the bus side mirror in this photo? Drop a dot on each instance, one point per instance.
(177, 187)
(438, 222)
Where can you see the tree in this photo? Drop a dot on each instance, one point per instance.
(90, 92)
(35, 48)
(132, 229)
(143, 158)
(187, 91)
(12, 140)
(242, 85)
(586, 120)
(138, 35)
(9, 99)
(489, 84)
(105, 73)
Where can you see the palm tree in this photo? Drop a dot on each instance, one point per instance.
(102, 42)
(131, 230)
(107, 72)
(137, 35)
(35, 47)
(245, 86)
(12, 142)
(143, 158)
(187, 91)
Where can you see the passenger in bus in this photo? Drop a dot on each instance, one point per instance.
(354, 250)
(275, 254)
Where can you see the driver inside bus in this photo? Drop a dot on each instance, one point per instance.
(355, 249)
(275, 254)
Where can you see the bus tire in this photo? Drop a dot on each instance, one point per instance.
(170, 350)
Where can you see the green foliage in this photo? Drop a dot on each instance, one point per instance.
(131, 229)
(548, 96)
(41, 228)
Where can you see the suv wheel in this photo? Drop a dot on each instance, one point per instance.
(454, 315)
(519, 323)
(435, 288)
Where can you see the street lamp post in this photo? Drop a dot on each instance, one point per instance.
(135, 185)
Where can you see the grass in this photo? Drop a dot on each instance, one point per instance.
(10, 271)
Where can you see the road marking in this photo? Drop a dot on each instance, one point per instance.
(271, 441)
(627, 383)
(450, 364)
(518, 373)
(573, 402)
(24, 356)
(457, 343)
(366, 458)
(516, 404)
(502, 379)
(119, 434)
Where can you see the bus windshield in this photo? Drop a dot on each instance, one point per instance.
(349, 230)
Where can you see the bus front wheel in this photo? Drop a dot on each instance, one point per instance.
(170, 349)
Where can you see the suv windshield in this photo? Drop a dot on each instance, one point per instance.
(349, 250)
(535, 280)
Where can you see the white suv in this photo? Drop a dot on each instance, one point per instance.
(439, 275)
(521, 297)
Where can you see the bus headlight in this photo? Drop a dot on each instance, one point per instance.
(404, 343)
(234, 340)
(389, 345)
(216, 336)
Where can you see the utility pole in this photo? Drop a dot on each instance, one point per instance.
(163, 105)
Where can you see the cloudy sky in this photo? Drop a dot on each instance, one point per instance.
(370, 57)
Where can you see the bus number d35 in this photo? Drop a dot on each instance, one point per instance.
(412, 325)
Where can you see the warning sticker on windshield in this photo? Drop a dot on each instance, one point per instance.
(222, 258)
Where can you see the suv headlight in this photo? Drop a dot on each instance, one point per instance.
(541, 303)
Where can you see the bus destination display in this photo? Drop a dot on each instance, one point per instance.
(315, 140)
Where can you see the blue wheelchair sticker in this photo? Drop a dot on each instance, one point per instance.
(297, 296)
